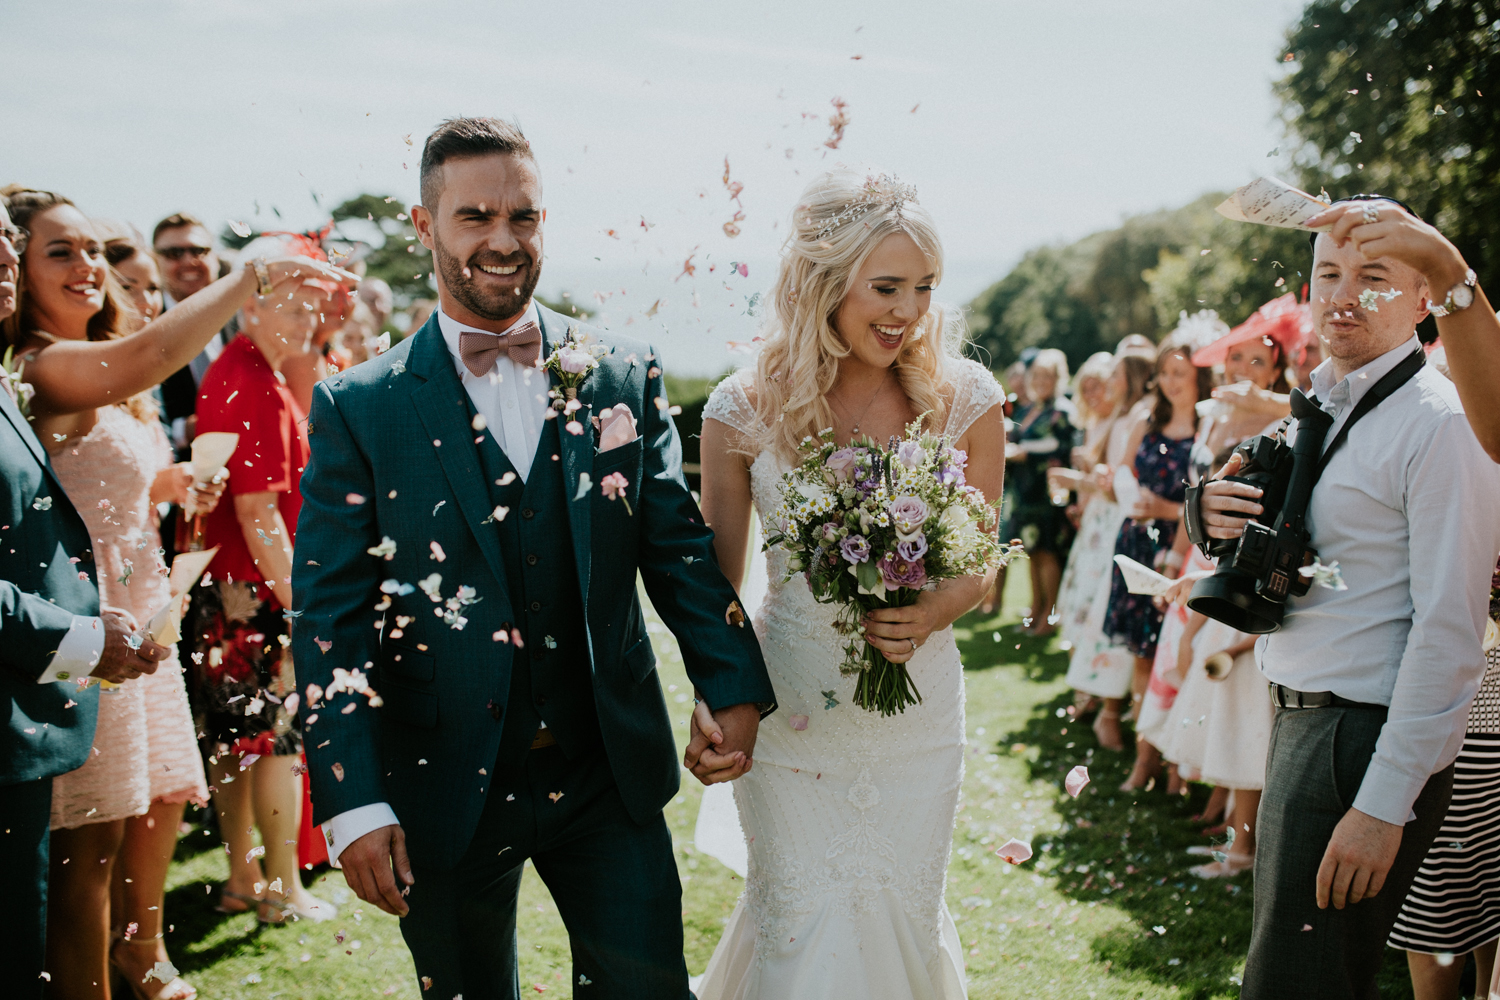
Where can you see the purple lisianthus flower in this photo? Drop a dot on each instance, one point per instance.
(913, 548)
(907, 515)
(855, 548)
(910, 454)
(841, 462)
(951, 467)
(903, 572)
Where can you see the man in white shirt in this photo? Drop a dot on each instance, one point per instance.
(1373, 682)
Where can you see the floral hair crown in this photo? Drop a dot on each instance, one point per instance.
(883, 191)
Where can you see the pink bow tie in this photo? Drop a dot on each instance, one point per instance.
(478, 350)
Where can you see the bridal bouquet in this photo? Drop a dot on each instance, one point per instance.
(872, 528)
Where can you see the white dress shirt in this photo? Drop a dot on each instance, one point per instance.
(1409, 508)
(512, 399)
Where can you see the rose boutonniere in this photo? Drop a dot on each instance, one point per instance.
(571, 362)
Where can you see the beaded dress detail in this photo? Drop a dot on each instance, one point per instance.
(849, 821)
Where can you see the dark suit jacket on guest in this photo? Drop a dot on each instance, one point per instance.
(394, 460)
(46, 577)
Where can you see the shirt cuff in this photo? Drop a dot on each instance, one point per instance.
(1388, 794)
(348, 826)
(78, 653)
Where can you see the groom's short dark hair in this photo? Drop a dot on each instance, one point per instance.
(458, 138)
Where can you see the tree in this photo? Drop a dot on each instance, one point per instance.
(1386, 96)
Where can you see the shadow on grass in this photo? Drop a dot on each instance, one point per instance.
(1128, 850)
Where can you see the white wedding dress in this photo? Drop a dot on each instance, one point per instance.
(849, 821)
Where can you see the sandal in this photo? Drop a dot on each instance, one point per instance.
(251, 903)
(175, 988)
(286, 912)
(1232, 865)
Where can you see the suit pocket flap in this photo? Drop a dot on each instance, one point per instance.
(409, 706)
(616, 457)
(640, 659)
(401, 660)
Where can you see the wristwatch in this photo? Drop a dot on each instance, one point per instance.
(1460, 296)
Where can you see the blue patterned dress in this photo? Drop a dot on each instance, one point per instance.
(1161, 466)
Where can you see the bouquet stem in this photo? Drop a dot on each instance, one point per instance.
(883, 686)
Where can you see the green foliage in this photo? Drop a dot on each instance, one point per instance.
(1086, 296)
(397, 256)
(1406, 79)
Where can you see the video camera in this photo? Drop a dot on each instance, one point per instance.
(1258, 571)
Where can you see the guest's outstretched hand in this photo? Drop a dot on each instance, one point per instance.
(723, 743)
(373, 863)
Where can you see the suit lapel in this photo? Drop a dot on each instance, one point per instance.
(23, 429)
(440, 405)
(577, 457)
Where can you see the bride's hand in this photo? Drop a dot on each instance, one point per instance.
(702, 757)
(899, 632)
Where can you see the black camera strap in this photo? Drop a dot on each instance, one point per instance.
(1389, 383)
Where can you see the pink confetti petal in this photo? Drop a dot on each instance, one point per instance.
(1014, 851)
(325, 646)
(437, 552)
(797, 722)
(1077, 780)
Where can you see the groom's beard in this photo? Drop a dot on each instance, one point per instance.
(463, 281)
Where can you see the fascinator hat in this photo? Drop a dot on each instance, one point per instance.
(1283, 321)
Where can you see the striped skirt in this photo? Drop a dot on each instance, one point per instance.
(1454, 903)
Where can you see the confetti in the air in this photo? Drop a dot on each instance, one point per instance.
(1014, 851)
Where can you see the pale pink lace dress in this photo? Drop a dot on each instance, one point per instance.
(144, 746)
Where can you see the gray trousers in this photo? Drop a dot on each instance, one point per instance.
(1316, 761)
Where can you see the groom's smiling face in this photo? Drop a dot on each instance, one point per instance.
(486, 234)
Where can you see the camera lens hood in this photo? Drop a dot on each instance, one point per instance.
(1230, 597)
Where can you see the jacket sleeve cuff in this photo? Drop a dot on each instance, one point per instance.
(78, 653)
(348, 826)
(1388, 794)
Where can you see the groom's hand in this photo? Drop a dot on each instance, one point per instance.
(368, 864)
(723, 742)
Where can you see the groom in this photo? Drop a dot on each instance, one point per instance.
(479, 687)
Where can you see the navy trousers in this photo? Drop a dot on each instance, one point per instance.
(25, 814)
(614, 881)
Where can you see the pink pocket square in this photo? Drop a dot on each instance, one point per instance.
(619, 428)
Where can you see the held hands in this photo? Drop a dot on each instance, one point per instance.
(127, 654)
(373, 863)
(1358, 858)
(722, 747)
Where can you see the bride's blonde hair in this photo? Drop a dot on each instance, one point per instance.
(840, 220)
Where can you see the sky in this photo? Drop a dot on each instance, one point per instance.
(1020, 123)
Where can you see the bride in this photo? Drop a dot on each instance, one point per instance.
(848, 815)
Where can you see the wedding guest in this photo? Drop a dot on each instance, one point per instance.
(90, 408)
(1453, 906)
(377, 296)
(184, 250)
(1096, 396)
(1466, 321)
(1016, 400)
(1359, 778)
(1161, 447)
(1043, 439)
(243, 660)
(135, 269)
(1097, 667)
(55, 635)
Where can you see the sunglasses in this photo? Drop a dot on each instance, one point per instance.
(177, 253)
(16, 237)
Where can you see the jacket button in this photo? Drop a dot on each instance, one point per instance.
(527, 513)
(531, 559)
(536, 605)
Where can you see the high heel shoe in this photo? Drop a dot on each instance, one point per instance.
(1232, 865)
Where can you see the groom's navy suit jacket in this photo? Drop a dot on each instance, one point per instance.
(48, 728)
(395, 456)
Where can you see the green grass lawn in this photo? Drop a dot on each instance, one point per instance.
(1104, 909)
